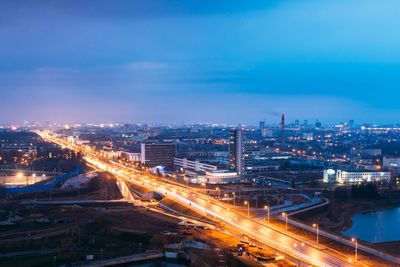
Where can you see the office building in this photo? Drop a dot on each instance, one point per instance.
(391, 162)
(236, 151)
(158, 154)
(247, 157)
(240, 154)
(267, 132)
(193, 165)
(351, 177)
(262, 125)
(222, 177)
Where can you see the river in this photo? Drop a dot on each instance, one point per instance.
(377, 226)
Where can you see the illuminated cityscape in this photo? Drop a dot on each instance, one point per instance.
(224, 133)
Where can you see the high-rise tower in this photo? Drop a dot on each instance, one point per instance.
(262, 125)
(236, 150)
(283, 129)
(240, 152)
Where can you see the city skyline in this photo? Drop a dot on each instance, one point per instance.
(187, 62)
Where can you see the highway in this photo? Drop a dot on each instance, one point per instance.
(284, 241)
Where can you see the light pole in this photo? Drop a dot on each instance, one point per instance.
(187, 181)
(219, 193)
(234, 198)
(285, 215)
(356, 246)
(298, 251)
(267, 208)
(204, 184)
(226, 195)
(248, 208)
(316, 225)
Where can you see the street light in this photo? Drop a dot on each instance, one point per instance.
(285, 215)
(204, 184)
(219, 192)
(267, 208)
(316, 225)
(298, 250)
(187, 181)
(248, 208)
(226, 195)
(234, 197)
(354, 240)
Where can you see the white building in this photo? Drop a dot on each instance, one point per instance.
(349, 177)
(222, 177)
(193, 165)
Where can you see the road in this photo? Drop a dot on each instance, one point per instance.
(282, 240)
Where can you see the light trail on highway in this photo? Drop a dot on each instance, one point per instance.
(268, 234)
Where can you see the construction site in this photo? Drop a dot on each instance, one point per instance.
(86, 220)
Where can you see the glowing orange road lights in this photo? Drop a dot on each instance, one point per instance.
(316, 225)
(354, 240)
(248, 208)
(286, 217)
(267, 208)
(219, 210)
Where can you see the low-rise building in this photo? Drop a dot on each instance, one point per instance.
(391, 162)
(193, 165)
(222, 177)
(350, 177)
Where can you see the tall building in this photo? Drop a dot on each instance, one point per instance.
(240, 154)
(247, 157)
(283, 129)
(153, 154)
(262, 125)
(236, 150)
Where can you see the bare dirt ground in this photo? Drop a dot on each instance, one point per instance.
(74, 231)
(107, 230)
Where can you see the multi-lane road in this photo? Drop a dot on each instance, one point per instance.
(284, 241)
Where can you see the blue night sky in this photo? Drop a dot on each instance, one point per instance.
(199, 61)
